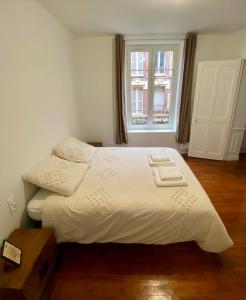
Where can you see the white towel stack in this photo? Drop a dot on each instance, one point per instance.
(168, 176)
(170, 173)
(160, 158)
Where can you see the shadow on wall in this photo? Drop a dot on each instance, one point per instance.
(23, 193)
(27, 191)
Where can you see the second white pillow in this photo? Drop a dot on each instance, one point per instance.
(74, 150)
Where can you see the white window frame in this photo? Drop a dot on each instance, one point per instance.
(152, 46)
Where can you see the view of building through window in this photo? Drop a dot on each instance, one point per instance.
(139, 86)
(143, 109)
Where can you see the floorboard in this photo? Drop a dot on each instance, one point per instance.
(178, 271)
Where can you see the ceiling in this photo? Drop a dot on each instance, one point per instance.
(100, 17)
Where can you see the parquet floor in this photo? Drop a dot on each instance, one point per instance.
(179, 271)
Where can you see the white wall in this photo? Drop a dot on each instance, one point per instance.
(213, 47)
(240, 50)
(96, 80)
(39, 103)
(37, 97)
(96, 86)
(240, 42)
(96, 72)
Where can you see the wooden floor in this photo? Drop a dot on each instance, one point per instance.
(179, 271)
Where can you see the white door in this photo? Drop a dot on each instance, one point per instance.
(214, 103)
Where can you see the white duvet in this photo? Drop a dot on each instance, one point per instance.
(119, 202)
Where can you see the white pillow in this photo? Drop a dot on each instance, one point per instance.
(57, 175)
(74, 150)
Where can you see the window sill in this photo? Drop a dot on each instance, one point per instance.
(151, 131)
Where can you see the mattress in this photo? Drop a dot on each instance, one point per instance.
(34, 205)
(118, 201)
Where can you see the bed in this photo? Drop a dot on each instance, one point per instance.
(118, 201)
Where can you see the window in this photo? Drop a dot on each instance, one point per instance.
(151, 81)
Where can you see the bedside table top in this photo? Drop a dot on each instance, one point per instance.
(31, 242)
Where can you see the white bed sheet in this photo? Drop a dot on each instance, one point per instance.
(118, 201)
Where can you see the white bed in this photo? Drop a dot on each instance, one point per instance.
(118, 201)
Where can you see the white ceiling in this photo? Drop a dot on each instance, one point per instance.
(98, 17)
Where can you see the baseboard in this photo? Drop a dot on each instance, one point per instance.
(232, 157)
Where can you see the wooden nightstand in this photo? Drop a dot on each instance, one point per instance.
(95, 144)
(38, 261)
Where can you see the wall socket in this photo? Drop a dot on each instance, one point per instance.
(12, 205)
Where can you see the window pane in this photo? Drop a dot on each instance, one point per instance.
(138, 63)
(139, 87)
(164, 63)
(162, 86)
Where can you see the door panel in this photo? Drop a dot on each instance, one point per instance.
(214, 104)
(223, 95)
(206, 82)
(216, 139)
(201, 138)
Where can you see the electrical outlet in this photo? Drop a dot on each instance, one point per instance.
(12, 205)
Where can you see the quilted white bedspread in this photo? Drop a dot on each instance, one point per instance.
(119, 202)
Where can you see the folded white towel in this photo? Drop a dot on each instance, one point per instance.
(167, 183)
(161, 163)
(170, 173)
(159, 156)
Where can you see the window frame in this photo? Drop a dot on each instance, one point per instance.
(175, 46)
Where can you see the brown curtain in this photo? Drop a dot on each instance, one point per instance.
(183, 136)
(121, 132)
